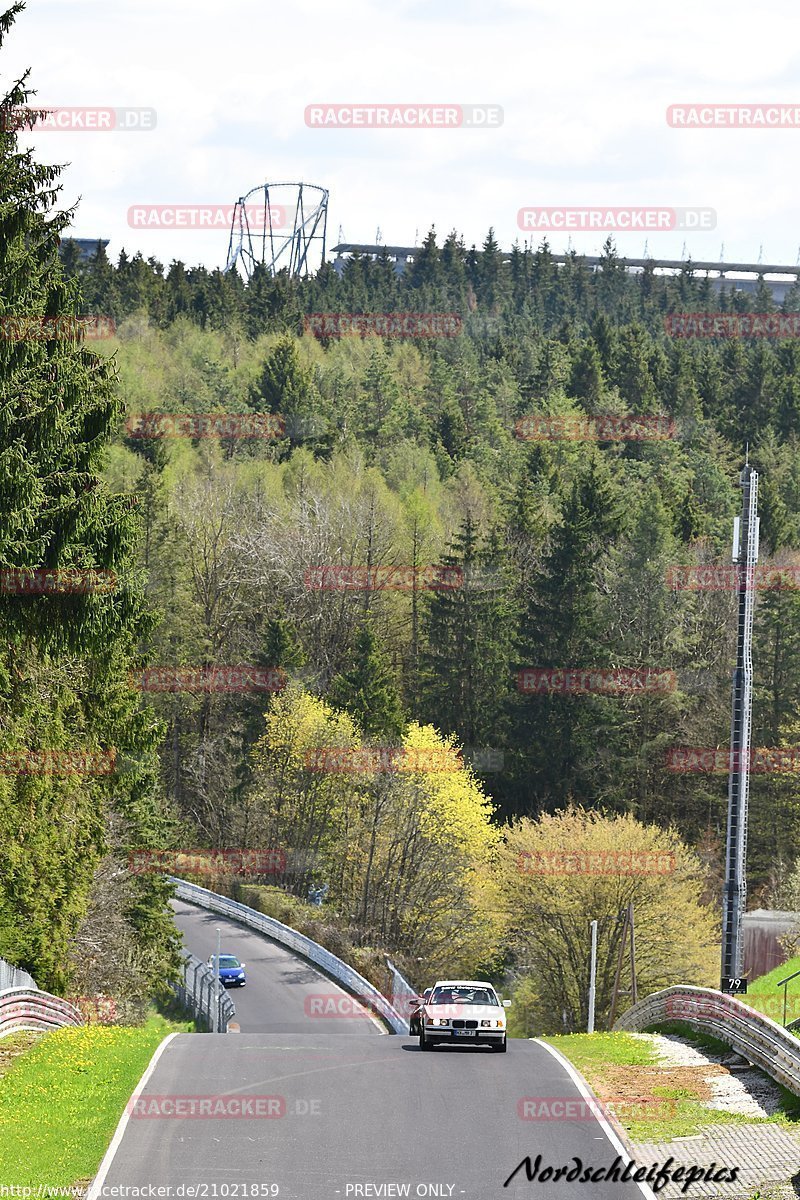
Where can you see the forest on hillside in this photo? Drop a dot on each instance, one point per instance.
(434, 535)
(406, 452)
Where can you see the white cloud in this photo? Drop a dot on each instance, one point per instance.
(584, 87)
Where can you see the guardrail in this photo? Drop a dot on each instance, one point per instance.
(298, 943)
(28, 1008)
(757, 1038)
(198, 993)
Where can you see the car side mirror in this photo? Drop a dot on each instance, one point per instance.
(506, 1004)
(243, 965)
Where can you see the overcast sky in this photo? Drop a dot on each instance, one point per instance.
(584, 87)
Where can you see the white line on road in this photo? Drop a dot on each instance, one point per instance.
(608, 1129)
(95, 1191)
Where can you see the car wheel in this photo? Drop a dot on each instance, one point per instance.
(500, 1047)
(424, 1044)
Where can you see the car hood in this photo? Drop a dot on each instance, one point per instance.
(470, 1012)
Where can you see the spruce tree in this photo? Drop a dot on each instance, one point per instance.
(368, 691)
(557, 735)
(64, 657)
(466, 646)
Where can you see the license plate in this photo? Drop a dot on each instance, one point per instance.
(464, 1032)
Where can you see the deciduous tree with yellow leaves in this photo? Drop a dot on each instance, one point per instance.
(564, 870)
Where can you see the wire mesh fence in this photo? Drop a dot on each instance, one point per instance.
(200, 992)
(13, 977)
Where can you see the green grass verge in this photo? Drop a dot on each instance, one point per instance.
(764, 994)
(657, 1104)
(60, 1102)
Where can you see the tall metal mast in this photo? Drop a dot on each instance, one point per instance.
(745, 555)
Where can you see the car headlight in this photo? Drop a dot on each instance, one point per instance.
(493, 1024)
(436, 1021)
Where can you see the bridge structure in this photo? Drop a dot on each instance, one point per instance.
(743, 277)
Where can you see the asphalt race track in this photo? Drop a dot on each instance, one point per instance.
(345, 1112)
(282, 992)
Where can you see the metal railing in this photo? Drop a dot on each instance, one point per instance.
(198, 993)
(28, 1008)
(13, 977)
(298, 943)
(784, 983)
(757, 1038)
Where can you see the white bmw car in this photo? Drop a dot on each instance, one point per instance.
(463, 1012)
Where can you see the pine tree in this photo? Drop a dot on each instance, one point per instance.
(367, 691)
(64, 658)
(586, 380)
(556, 736)
(285, 387)
(466, 630)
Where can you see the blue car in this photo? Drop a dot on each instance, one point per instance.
(231, 971)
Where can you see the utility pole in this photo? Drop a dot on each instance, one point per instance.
(215, 1013)
(592, 978)
(745, 556)
(627, 926)
(634, 987)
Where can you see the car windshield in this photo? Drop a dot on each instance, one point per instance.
(463, 995)
(226, 961)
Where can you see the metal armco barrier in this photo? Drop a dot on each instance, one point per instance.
(346, 976)
(757, 1038)
(28, 1008)
(198, 993)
